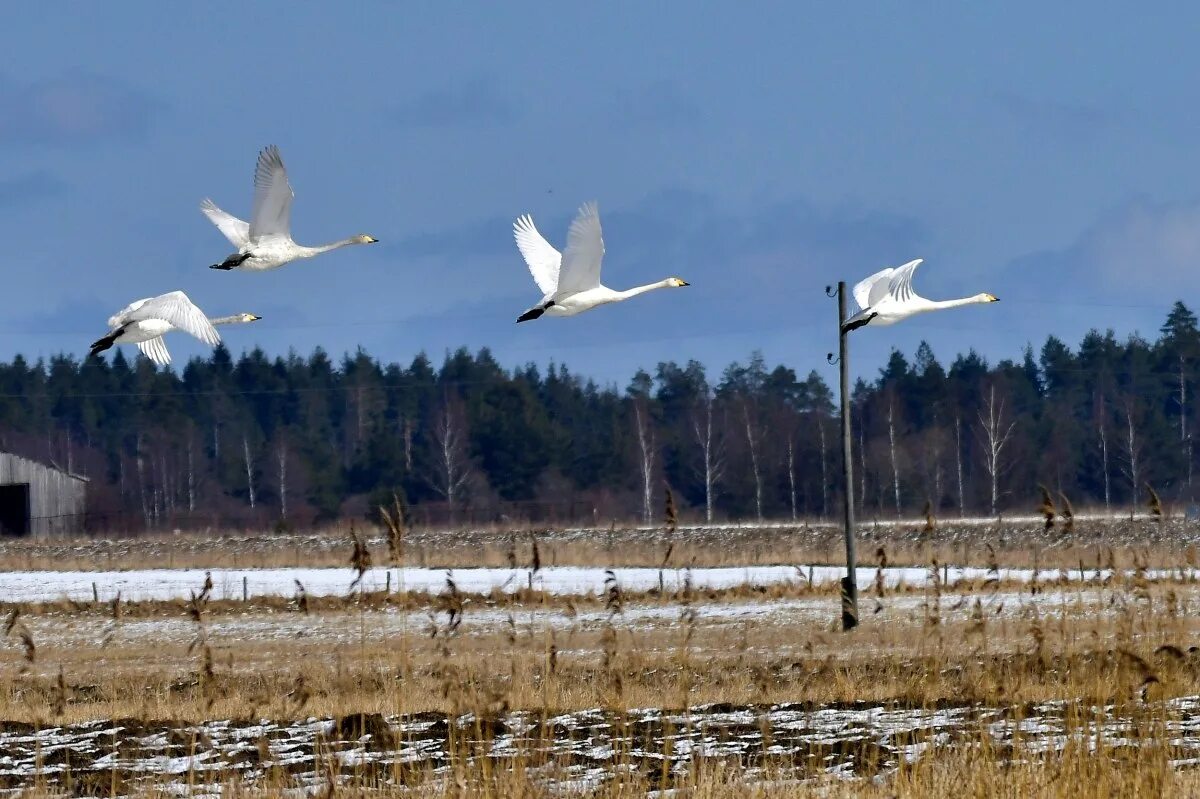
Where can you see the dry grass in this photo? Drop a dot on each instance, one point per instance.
(1118, 647)
(1017, 544)
(922, 648)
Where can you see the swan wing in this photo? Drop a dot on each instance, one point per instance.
(121, 317)
(873, 289)
(234, 229)
(272, 197)
(541, 258)
(901, 281)
(156, 350)
(580, 269)
(181, 313)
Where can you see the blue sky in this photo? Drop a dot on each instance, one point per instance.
(1041, 152)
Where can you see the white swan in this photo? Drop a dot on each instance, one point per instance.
(156, 349)
(144, 323)
(570, 282)
(887, 297)
(265, 242)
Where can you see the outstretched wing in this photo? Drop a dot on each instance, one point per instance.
(181, 313)
(156, 350)
(272, 197)
(873, 289)
(580, 268)
(122, 316)
(541, 258)
(234, 229)
(901, 281)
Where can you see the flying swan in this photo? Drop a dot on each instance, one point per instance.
(144, 323)
(266, 242)
(887, 297)
(570, 282)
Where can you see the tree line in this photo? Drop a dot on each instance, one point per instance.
(296, 441)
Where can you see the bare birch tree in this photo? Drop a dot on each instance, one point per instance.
(958, 463)
(451, 462)
(1101, 414)
(407, 433)
(995, 431)
(753, 442)
(791, 470)
(281, 464)
(141, 474)
(1133, 448)
(249, 463)
(891, 420)
(862, 466)
(931, 459)
(645, 436)
(191, 472)
(712, 452)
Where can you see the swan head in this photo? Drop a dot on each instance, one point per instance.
(247, 317)
(677, 282)
(988, 298)
(363, 238)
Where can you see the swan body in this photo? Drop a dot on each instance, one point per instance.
(144, 323)
(887, 297)
(156, 349)
(570, 281)
(265, 242)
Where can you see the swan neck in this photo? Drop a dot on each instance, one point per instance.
(633, 292)
(977, 299)
(310, 251)
(227, 320)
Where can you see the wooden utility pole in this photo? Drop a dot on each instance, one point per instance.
(849, 582)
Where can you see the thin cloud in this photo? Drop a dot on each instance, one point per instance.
(30, 188)
(1127, 255)
(473, 104)
(76, 108)
(1068, 119)
(658, 104)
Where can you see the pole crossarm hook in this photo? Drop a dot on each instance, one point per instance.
(831, 359)
(831, 291)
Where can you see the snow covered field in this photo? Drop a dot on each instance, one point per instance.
(323, 628)
(864, 740)
(166, 584)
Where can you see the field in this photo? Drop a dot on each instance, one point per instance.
(992, 659)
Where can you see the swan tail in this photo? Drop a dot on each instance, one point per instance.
(104, 343)
(854, 323)
(232, 262)
(534, 312)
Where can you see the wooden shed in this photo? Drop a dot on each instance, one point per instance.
(38, 500)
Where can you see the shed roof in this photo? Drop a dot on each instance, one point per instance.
(51, 467)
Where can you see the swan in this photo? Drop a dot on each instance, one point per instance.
(265, 242)
(887, 297)
(570, 282)
(156, 350)
(144, 322)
